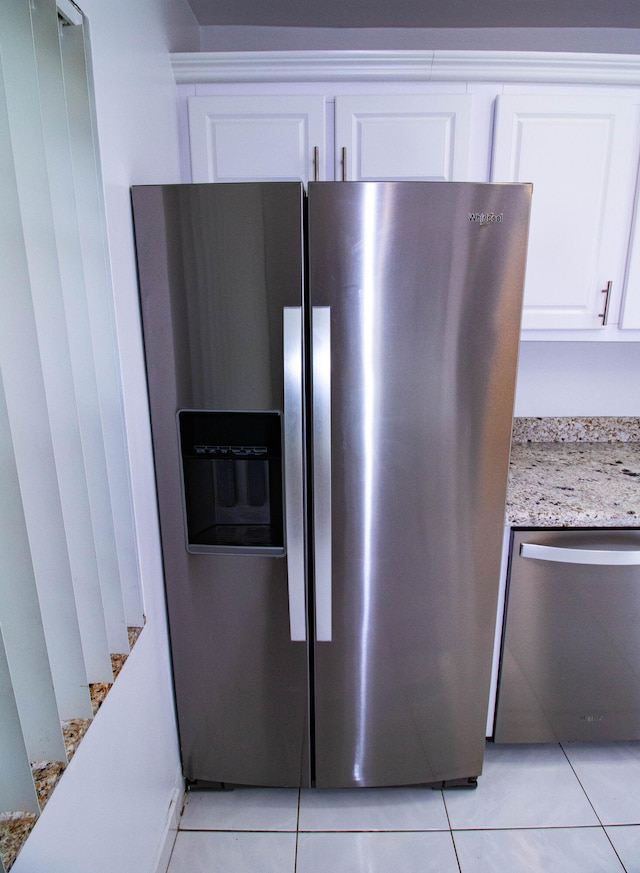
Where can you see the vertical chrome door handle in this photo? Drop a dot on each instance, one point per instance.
(321, 387)
(294, 471)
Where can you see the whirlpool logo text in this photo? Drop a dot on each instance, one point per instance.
(485, 218)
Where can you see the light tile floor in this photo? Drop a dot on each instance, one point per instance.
(537, 809)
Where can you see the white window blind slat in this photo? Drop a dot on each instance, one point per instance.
(17, 791)
(25, 643)
(90, 206)
(29, 361)
(66, 327)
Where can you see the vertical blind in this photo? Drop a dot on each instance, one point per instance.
(69, 583)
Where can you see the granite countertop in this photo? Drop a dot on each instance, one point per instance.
(575, 472)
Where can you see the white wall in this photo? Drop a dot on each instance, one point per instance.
(111, 809)
(243, 38)
(575, 378)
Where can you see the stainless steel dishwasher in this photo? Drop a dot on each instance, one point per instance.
(570, 664)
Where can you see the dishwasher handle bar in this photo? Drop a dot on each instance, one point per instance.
(603, 557)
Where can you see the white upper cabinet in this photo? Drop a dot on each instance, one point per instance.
(241, 138)
(580, 154)
(569, 124)
(403, 137)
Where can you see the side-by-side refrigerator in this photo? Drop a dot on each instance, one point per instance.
(331, 381)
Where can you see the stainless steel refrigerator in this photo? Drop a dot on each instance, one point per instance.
(331, 381)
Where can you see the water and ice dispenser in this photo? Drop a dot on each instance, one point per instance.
(232, 481)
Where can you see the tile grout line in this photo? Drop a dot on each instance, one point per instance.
(453, 839)
(583, 827)
(237, 830)
(595, 812)
(382, 831)
(584, 790)
(295, 857)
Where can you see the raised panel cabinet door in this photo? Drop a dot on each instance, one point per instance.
(578, 153)
(257, 138)
(630, 313)
(403, 137)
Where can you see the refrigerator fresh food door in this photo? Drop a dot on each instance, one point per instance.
(221, 278)
(415, 293)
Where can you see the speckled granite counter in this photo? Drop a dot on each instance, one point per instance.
(577, 472)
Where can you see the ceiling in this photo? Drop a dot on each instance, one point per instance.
(419, 13)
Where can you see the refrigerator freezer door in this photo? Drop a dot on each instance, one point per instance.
(220, 267)
(424, 284)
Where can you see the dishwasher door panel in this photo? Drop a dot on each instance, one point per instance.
(570, 667)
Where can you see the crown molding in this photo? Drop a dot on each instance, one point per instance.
(570, 67)
(301, 66)
(415, 66)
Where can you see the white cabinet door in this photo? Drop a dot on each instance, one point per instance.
(403, 137)
(246, 138)
(630, 317)
(579, 153)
